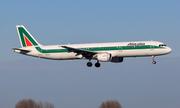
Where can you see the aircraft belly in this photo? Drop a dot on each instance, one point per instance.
(55, 56)
(65, 56)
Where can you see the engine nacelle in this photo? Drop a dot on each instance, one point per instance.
(105, 57)
(117, 59)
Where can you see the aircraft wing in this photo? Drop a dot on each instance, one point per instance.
(85, 53)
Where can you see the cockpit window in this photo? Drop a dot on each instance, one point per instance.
(160, 45)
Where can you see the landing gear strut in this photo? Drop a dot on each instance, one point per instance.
(89, 64)
(154, 62)
(97, 64)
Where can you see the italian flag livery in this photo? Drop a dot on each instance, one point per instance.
(104, 52)
(25, 37)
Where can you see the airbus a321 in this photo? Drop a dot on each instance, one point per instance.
(104, 52)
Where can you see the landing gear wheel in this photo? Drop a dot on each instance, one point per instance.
(97, 64)
(89, 64)
(154, 62)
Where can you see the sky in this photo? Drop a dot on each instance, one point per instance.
(134, 83)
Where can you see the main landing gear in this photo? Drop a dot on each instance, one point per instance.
(97, 64)
(89, 64)
(154, 62)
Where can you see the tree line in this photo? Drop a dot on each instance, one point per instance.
(29, 103)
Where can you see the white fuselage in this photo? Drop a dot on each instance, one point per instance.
(119, 49)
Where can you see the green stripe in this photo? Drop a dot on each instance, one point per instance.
(100, 48)
(23, 31)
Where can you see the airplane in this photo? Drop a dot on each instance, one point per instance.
(105, 52)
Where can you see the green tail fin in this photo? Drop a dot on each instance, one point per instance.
(26, 39)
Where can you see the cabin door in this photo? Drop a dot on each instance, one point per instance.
(151, 46)
(120, 48)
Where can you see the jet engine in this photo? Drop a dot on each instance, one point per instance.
(117, 59)
(105, 57)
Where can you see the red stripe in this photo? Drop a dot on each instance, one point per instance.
(28, 43)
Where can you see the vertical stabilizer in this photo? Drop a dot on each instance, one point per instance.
(26, 39)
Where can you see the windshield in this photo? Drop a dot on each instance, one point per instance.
(160, 45)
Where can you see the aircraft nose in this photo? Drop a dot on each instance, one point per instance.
(169, 50)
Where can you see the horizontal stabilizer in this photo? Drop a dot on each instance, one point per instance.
(22, 51)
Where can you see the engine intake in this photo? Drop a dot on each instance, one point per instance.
(104, 57)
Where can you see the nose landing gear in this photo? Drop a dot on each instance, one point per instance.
(154, 62)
